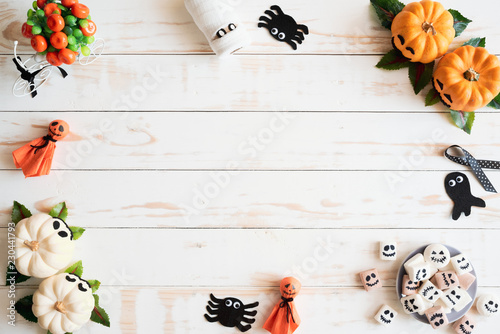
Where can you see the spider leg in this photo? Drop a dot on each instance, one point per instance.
(299, 34)
(210, 319)
(297, 39)
(304, 28)
(213, 304)
(292, 44)
(250, 313)
(247, 320)
(251, 305)
(243, 328)
(215, 299)
(273, 16)
(212, 311)
(277, 9)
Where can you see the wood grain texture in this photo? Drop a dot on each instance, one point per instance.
(166, 27)
(402, 142)
(180, 310)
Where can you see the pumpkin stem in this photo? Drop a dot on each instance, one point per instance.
(471, 75)
(426, 26)
(33, 245)
(59, 306)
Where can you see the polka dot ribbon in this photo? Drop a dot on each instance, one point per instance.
(476, 166)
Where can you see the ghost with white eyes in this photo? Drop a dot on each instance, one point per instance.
(222, 28)
(488, 305)
(437, 255)
(458, 188)
(386, 315)
(388, 250)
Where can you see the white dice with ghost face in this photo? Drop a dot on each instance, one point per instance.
(456, 299)
(386, 315)
(430, 292)
(412, 304)
(437, 255)
(388, 250)
(488, 305)
(461, 264)
(417, 269)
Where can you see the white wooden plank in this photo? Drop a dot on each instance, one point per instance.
(166, 26)
(204, 83)
(403, 199)
(258, 141)
(261, 257)
(180, 310)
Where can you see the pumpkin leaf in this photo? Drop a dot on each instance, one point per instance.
(464, 120)
(386, 10)
(59, 211)
(459, 22)
(24, 307)
(420, 75)
(98, 314)
(495, 103)
(393, 60)
(94, 284)
(432, 97)
(13, 274)
(19, 212)
(77, 232)
(476, 41)
(76, 269)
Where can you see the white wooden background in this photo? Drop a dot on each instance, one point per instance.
(194, 174)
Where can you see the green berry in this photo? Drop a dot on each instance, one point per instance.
(36, 30)
(85, 51)
(77, 33)
(71, 39)
(43, 53)
(30, 13)
(40, 13)
(89, 39)
(51, 49)
(89, 18)
(30, 23)
(73, 47)
(70, 20)
(47, 30)
(84, 23)
(35, 6)
(68, 31)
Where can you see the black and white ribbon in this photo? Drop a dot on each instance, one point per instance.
(476, 166)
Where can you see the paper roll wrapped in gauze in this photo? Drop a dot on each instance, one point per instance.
(220, 25)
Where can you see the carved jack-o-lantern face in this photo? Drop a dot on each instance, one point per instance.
(290, 287)
(58, 129)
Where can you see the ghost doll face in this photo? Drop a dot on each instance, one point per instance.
(437, 255)
(388, 250)
(290, 287)
(58, 129)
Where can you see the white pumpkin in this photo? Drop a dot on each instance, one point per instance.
(63, 303)
(44, 245)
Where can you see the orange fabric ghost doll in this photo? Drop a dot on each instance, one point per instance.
(284, 318)
(35, 158)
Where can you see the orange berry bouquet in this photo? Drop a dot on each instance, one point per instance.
(60, 30)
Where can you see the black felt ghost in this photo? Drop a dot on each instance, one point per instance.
(230, 312)
(458, 188)
(283, 27)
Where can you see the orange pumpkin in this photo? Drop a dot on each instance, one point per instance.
(423, 31)
(468, 78)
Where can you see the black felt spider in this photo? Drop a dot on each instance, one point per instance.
(283, 27)
(230, 312)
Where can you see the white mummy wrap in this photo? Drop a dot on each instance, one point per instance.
(220, 25)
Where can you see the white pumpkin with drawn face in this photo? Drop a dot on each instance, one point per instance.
(44, 245)
(63, 303)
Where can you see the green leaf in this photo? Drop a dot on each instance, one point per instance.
(18, 277)
(24, 308)
(476, 41)
(98, 314)
(386, 10)
(464, 120)
(76, 269)
(77, 232)
(420, 75)
(59, 211)
(94, 284)
(393, 60)
(495, 103)
(19, 212)
(432, 97)
(459, 22)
